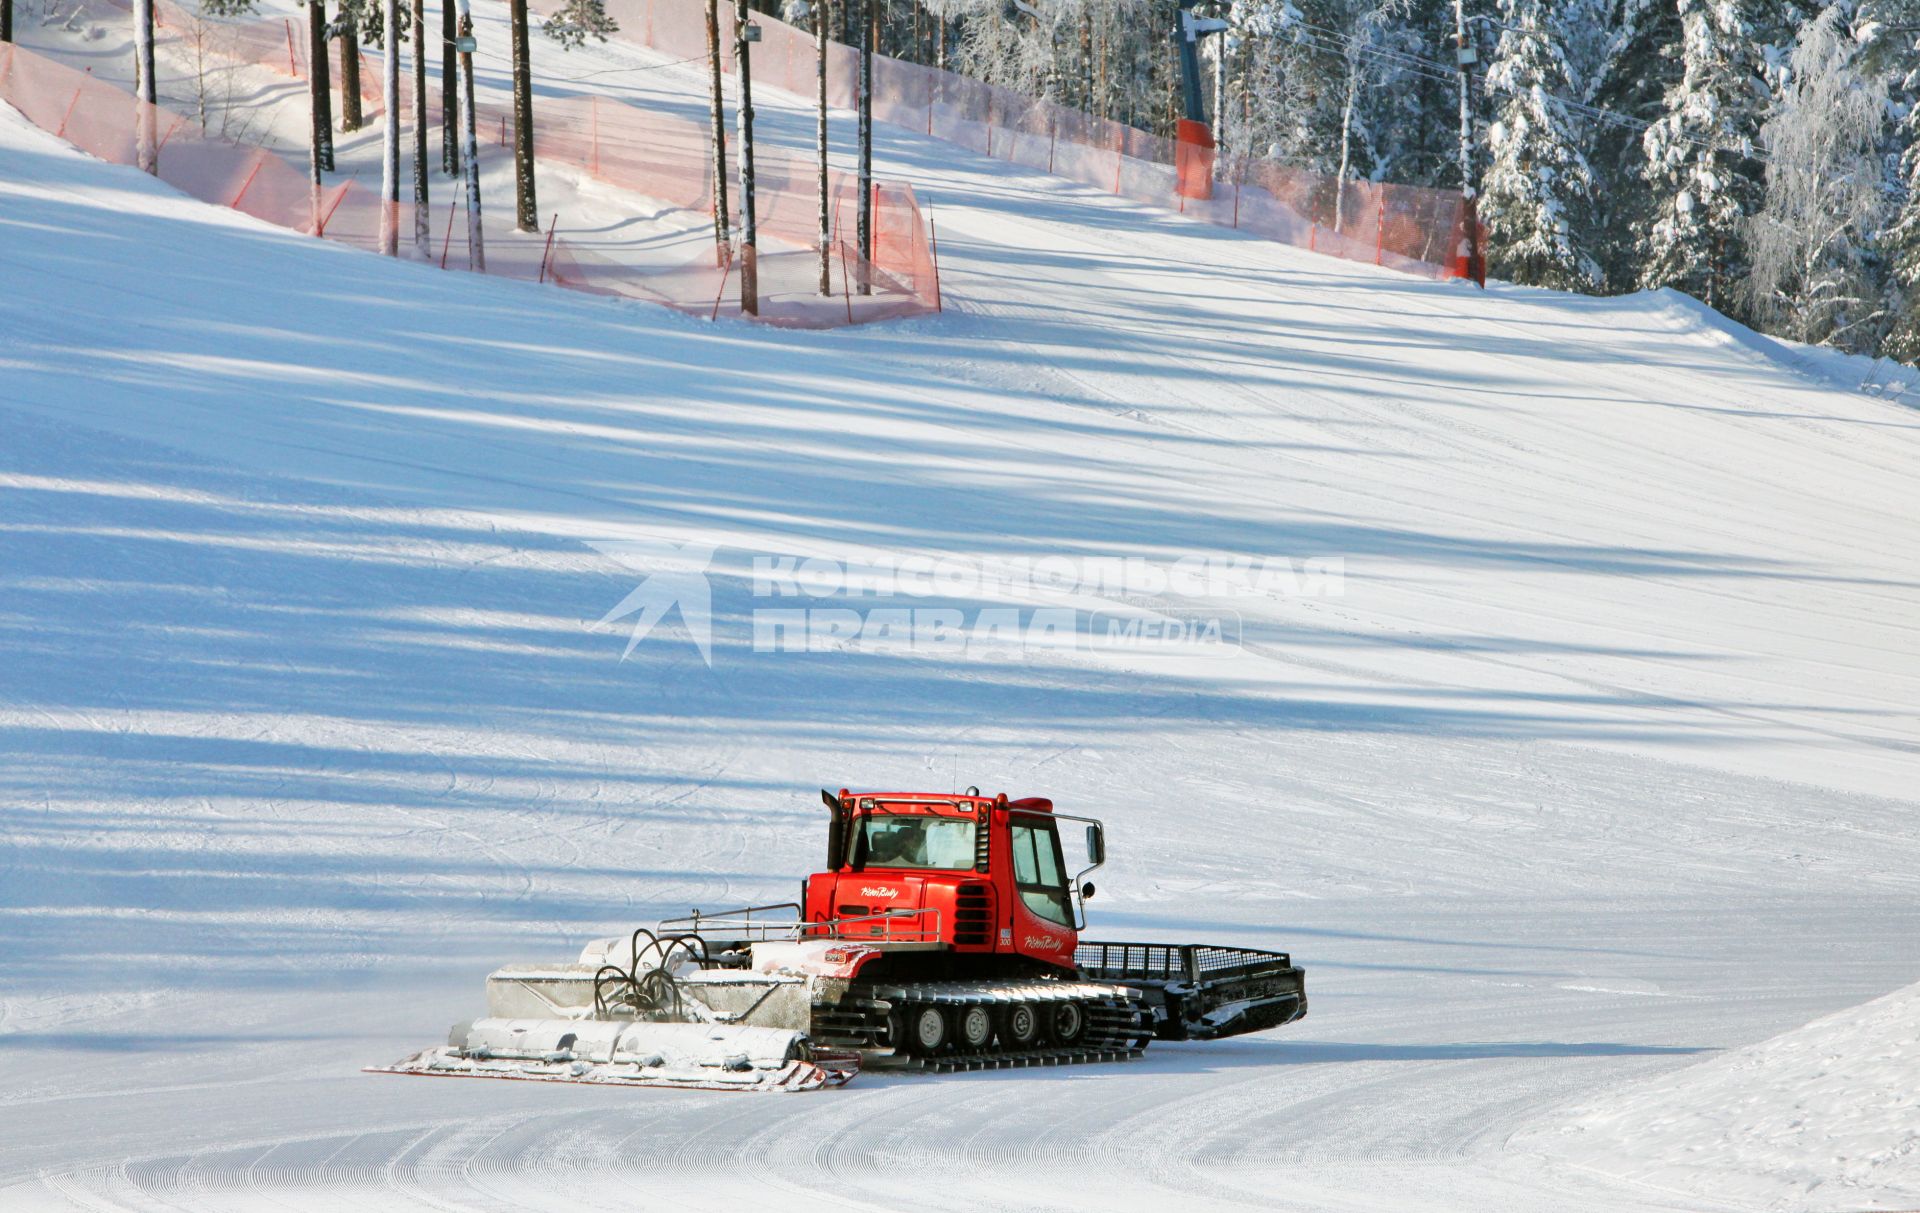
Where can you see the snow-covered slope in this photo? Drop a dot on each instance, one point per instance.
(1824, 1117)
(1603, 761)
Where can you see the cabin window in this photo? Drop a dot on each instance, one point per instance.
(1038, 872)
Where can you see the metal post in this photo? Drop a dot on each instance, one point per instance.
(1469, 222)
(476, 241)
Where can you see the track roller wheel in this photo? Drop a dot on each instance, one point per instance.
(927, 1030)
(1069, 1022)
(1022, 1025)
(976, 1027)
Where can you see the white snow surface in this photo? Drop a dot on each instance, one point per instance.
(1823, 1117)
(1603, 765)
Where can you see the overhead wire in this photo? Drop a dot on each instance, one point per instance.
(1336, 42)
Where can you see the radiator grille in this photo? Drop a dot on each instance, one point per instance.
(973, 914)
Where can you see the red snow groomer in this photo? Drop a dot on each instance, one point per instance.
(943, 935)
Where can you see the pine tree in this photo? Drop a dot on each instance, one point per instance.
(577, 20)
(1624, 65)
(570, 25)
(1537, 194)
(1700, 154)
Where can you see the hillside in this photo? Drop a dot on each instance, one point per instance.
(1600, 761)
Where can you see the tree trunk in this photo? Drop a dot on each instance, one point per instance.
(527, 208)
(869, 17)
(476, 242)
(144, 86)
(6, 20)
(1346, 141)
(1086, 61)
(422, 235)
(320, 85)
(743, 67)
(1219, 97)
(390, 130)
(719, 116)
(449, 93)
(820, 141)
(351, 119)
(317, 117)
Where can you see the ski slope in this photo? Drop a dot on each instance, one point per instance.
(1602, 764)
(1810, 1119)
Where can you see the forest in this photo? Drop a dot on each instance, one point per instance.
(1760, 156)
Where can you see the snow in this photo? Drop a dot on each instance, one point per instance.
(1601, 766)
(1825, 1117)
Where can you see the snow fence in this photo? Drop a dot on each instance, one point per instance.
(655, 154)
(1409, 228)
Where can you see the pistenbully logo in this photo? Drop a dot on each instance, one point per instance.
(675, 573)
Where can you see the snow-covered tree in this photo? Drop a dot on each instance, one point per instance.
(1897, 55)
(1537, 196)
(577, 20)
(1620, 54)
(1701, 162)
(1816, 269)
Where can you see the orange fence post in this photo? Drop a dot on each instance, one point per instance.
(726, 271)
(933, 233)
(246, 185)
(293, 68)
(62, 132)
(447, 243)
(327, 217)
(1380, 225)
(553, 225)
(845, 292)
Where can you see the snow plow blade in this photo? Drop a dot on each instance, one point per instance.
(700, 1056)
(1201, 991)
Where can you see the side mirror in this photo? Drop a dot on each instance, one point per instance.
(1086, 891)
(1096, 846)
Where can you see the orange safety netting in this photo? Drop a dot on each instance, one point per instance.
(1412, 228)
(670, 158)
(659, 155)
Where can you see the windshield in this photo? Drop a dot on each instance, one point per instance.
(901, 841)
